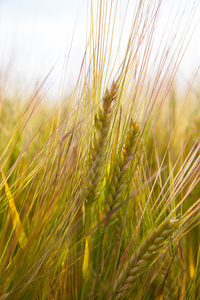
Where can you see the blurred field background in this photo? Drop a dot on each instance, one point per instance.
(57, 58)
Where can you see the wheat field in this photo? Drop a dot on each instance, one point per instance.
(100, 192)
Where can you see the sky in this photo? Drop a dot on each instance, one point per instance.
(37, 34)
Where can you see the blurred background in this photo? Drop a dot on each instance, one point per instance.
(36, 36)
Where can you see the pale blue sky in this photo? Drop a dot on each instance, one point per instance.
(35, 34)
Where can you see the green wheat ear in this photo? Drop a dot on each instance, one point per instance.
(99, 144)
(97, 167)
(120, 179)
(144, 254)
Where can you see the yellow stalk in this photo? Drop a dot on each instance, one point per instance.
(17, 225)
(191, 262)
(86, 261)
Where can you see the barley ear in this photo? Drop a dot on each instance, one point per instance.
(120, 180)
(144, 254)
(99, 143)
(97, 167)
